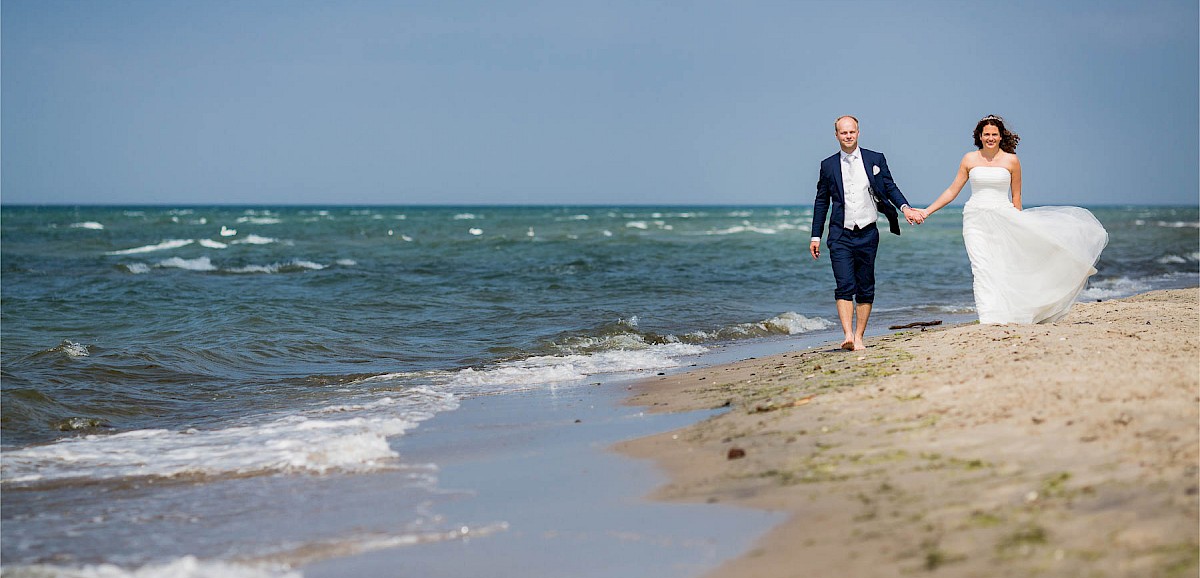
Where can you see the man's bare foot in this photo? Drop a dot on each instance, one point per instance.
(858, 345)
(848, 344)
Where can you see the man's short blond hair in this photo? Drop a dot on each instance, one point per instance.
(839, 119)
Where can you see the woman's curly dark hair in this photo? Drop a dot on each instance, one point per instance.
(1008, 140)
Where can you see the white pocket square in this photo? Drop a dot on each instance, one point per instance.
(875, 169)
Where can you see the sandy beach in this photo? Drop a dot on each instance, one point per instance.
(1066, 449)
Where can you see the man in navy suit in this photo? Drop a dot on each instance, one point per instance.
(857, 185)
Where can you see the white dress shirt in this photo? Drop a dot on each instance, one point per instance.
(860, 206)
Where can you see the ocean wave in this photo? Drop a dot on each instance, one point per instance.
(209, 243)
(743, 229)
(288, 267)
(1114, 288)
(260, 220)
(253, 239)
(185, 567)
(93, 225)
(73, 349)
(197, 264)
(311, 442)
(551, 369)
(163, 246)
(136, 268)
(1178, 259)
(789, 323)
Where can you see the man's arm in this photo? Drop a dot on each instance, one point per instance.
(820, 210)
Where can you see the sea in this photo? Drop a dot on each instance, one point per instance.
(182, 386)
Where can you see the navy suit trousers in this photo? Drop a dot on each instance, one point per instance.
(853, 258)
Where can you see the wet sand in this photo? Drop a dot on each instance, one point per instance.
(1067, 449)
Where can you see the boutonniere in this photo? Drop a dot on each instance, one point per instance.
(874, 169)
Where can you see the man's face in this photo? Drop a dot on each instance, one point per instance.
(847, 134)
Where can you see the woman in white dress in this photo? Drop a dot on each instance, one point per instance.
(1028, 265)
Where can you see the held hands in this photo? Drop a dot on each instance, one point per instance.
(914, 216)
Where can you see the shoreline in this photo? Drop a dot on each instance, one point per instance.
(980, 450)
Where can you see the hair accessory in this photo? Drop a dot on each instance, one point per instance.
(992, 117)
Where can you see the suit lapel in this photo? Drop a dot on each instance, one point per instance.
(837, 175)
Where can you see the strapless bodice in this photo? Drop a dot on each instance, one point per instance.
(989, 187)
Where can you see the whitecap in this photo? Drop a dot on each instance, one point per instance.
(253, 239)
(277, 267)
(346, 262)
(637, 225)
(475, 231)
(197, 264)
(1113, 288)
(93, 225)
(212, 244)
(1178, 224)
(259, 220)
(185, 567)
(163, 246)
(465, 216)
(136, 268)
(73, 349)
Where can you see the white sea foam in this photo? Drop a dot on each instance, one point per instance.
(197, 264)
(790, 323)
(74, 349)
(336, 438)
(346, 262)
(542, 370)
(793, 323)
(137, 268)
(260, 220)
(185, 567)
(637, 225)
(743, 229)
(1178, 224)
(475, 231)
(88, 225)
(211, 244)
(465, 216)
(163, 246)
(253, 239)
(277, 267)
(1113, 288)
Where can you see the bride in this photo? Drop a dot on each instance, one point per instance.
(1028, 266)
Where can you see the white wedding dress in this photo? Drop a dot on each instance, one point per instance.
(1028, 266)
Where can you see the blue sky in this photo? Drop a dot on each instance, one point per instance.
(608, 102)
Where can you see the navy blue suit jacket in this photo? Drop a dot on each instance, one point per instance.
(830, 193)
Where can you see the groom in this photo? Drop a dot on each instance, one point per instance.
(857, 184)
